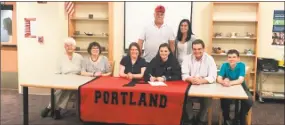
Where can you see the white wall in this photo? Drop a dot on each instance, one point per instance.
(200, 20)
(200, 27)
(265, 30)
(118, 34)
(34, 58)
(140, 14)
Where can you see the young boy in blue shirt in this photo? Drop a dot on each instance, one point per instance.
(233, 73)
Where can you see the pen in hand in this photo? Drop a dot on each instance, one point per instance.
(152, 79)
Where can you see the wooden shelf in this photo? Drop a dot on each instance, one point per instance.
(102, 22)
(85, 36)
(85, 51)
(236, 38)
(81, 51)
(235, 2)
(235, 21)
(87, 19)
(239, 17)
(244, 55)
(93, 2)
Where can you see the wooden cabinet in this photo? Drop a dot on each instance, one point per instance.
(100, 25)
(232, 24)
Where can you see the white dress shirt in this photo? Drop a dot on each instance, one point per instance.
(205, 67)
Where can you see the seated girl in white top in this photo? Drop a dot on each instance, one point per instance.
(95, 64)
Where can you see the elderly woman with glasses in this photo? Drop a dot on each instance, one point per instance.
(68, 63)
(95, 64)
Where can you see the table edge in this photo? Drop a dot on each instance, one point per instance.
(216, 96)
(54, 87)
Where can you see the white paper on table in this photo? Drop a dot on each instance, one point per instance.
(157, 83)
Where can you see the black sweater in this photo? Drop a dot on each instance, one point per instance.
(157, 68)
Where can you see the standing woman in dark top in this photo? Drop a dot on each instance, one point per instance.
(164, 66)
(133, 65)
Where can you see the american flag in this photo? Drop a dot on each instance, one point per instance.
(69, 8)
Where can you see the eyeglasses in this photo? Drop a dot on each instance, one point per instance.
(69, 45)
(95, 48)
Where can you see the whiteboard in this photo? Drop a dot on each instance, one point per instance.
(140, 14)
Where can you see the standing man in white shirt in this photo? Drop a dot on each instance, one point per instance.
(155, 34)
(198, 68)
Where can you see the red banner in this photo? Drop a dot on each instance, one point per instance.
(106, 100)
(28, 33)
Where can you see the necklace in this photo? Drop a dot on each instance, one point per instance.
(94, 64)
(133, 61)
(95, 60)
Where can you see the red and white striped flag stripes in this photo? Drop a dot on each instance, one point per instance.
(69, 8)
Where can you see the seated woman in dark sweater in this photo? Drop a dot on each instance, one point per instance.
(133, 65)
(163, 67)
